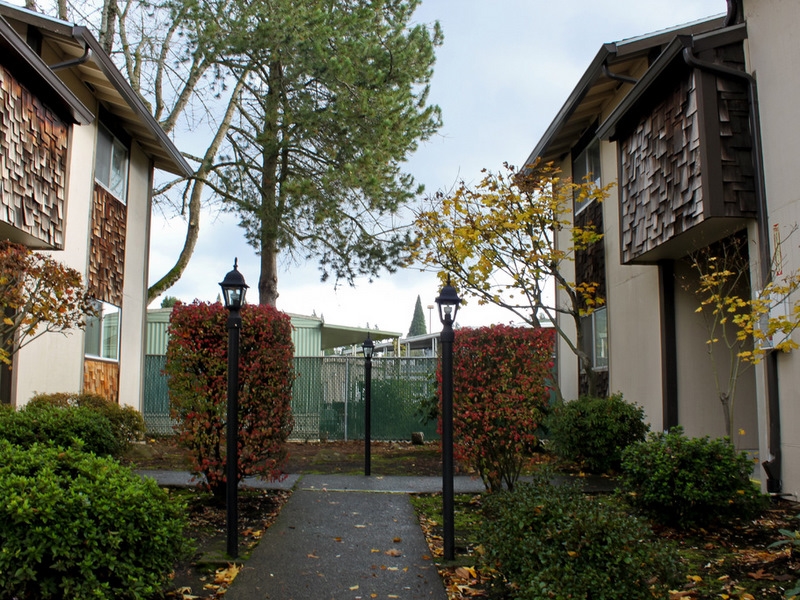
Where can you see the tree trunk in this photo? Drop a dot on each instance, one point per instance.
(271, 202)
(268, 279)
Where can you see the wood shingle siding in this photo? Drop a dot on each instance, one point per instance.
(33, 165)
(107, 247)
(101, 377)
(680, 169)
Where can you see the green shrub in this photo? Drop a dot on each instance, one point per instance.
(554, 542)
(593, 432)
(64, 427)
(74, 525)
(686, 482)
(127, 422)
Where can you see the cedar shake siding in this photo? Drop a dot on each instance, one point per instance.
(33, 167)
(107, 247)
(686, 171)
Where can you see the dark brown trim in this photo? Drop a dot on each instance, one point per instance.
(669, 345)
(710, 151)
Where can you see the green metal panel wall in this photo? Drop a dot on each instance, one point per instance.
(328, 397)
(156, 396)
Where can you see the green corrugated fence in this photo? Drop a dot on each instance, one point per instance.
(328, 397)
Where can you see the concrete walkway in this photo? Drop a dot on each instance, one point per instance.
(335, 543)
(344, 537)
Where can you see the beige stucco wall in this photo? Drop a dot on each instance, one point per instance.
(567, 363)
(773, 54)
(134, 292)
(54, 362)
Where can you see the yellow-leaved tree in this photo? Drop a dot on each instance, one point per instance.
(509, 239)
(742, 324)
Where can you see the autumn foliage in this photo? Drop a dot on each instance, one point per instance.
(37, 295)
(501, 387)
(197, 372)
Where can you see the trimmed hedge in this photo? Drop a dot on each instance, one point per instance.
(593, 432)
(74, 525)
(551, 541)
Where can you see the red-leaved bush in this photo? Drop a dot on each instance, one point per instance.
(197, 369)
(500, 392)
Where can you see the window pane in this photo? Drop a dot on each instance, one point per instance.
(102, 167)
(587, 165)
(102, 333)
(111, 163)
(92, 334)
(600, 338)
(119, 171)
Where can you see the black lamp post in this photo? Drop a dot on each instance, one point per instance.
(368, 348)
(448, 302)
(233, 292)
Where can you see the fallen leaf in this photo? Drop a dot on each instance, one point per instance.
(353, 588)
(393, 552)
(227, 575)
(760, 574)
(312, 555)
(397, 540)
(466, 573)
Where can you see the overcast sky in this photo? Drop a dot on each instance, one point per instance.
(504, 71)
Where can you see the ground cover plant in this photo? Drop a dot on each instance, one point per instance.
(683, 482)
(65, 427)
(126, 421)
(549, 541)
(729, 561)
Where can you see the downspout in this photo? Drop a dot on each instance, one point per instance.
(772, 467)
(617, 77)
(87, 54)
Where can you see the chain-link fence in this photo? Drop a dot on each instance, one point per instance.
(328, 398)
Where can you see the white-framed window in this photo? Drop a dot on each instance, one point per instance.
(595, 337)
(102, 332)
(586, 167)
(111, 163)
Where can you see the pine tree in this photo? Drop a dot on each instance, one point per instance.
(418, 326)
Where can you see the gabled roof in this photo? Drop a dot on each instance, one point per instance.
(92, 65)
(672, 53)
(612, 65)
(27, 65)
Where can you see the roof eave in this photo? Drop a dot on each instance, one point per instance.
(65, 102)
(578, 93)
(112, 73)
